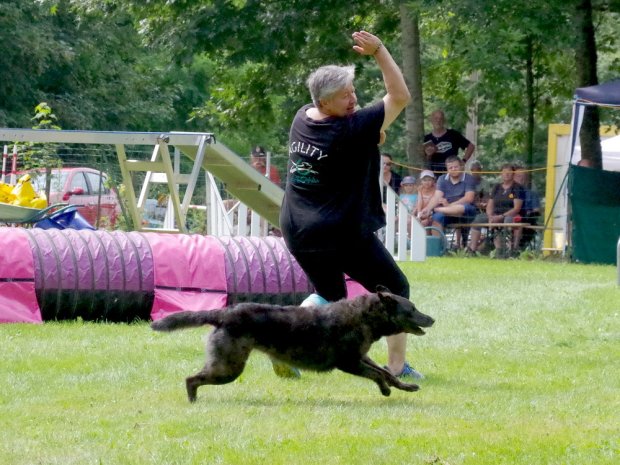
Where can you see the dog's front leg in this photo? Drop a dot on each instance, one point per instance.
(365, 371)
(389, 378)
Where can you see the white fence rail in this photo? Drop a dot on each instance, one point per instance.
(231, 217)
(403, 235)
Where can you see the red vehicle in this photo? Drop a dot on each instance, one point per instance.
(85, 187)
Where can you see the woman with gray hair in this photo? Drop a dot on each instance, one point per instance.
(332, 204)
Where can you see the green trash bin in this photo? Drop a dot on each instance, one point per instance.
(435, 245)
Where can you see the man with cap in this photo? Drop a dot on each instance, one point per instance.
(258, 159)
(453, 201)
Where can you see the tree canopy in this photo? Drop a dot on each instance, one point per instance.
(238, 67)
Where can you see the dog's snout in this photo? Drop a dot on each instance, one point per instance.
(425, 320)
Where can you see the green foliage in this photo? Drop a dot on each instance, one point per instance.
(260, 54)
(44, 118)
(24, 37)
(479, 56)
(237, 68)
(520, 369)
(42, 155)
(88, 61)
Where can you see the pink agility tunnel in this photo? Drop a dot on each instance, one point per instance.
(124, 276)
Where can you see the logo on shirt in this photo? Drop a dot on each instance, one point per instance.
(303, 170)
(444, 146)
(303, 173)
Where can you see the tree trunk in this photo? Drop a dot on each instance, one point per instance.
(586, 59)
(529, 91)
(414, 113)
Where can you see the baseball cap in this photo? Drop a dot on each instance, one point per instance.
(426, 173)
(258, 151)
(408, 180)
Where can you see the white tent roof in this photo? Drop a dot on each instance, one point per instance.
(610, 147)
(611, 153)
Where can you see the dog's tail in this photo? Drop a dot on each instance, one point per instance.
(188, 319)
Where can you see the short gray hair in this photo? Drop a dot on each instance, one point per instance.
(327, 80)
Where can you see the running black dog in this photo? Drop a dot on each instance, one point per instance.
(336, 335)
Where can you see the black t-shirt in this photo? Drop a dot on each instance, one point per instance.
(447, 145)
(504, 199)
(332, 193)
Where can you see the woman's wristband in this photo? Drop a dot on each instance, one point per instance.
(378, 48)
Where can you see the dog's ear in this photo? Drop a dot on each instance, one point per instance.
(381, 288)
(384, 294)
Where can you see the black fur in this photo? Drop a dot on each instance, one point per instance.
(336, 335)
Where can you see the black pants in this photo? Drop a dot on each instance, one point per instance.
(527, 235)
(365, 260)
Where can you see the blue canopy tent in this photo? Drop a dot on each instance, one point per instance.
(607, 94)
(594, 195)
(602, 95)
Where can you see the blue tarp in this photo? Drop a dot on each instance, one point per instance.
(607, 94)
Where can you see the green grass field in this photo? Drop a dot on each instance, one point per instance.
(522, 367)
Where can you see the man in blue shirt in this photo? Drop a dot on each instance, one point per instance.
(453, 201)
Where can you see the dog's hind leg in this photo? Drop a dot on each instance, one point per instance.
(226, 358)
(389, 377)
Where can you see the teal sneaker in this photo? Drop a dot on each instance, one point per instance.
(314, 300)
(408, 372)
(283, 370)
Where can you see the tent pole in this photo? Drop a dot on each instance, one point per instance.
(618, 259)
(577, 119)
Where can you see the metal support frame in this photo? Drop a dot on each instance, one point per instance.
(239, 178)
(163, 171)
(160, 161)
